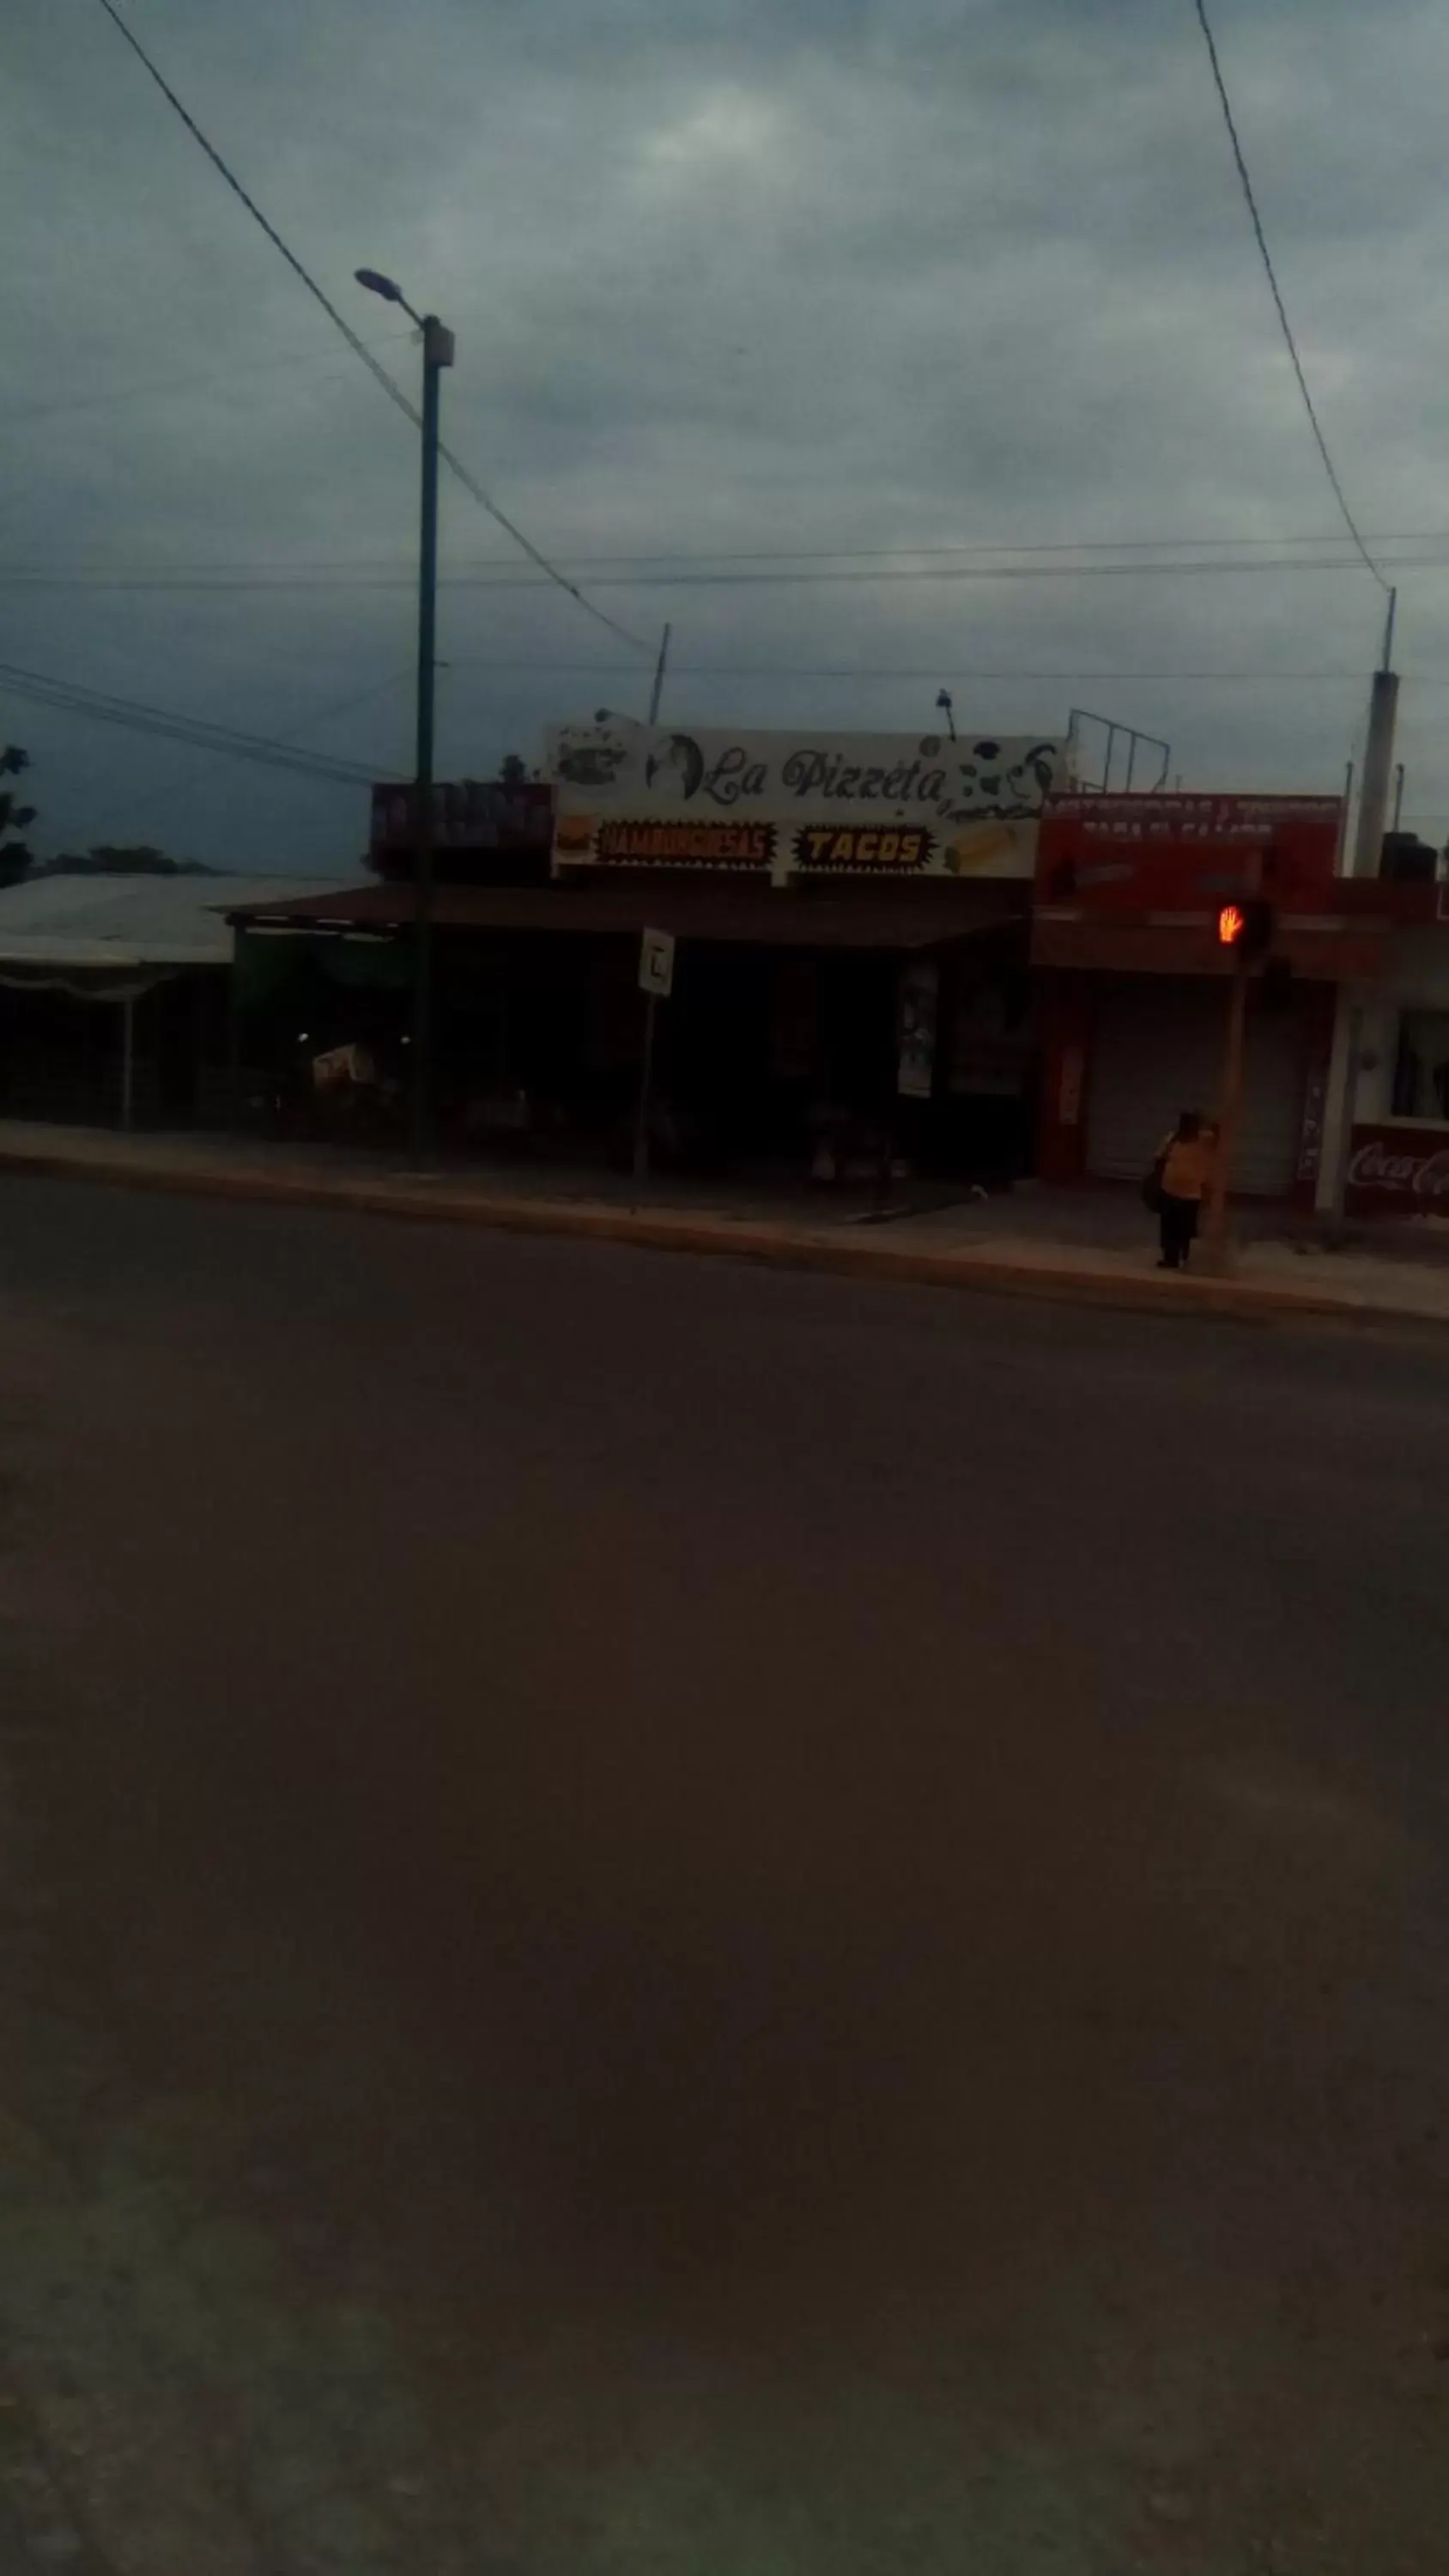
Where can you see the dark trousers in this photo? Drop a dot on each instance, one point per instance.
(1178, 1220)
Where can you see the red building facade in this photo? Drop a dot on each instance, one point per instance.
(1133, 981)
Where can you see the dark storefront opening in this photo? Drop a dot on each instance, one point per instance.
(772, 1056)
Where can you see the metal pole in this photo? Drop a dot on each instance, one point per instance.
(1398, 795)
(437, 354)
(1215, 1251)
(646, 1082)
(657, 691)
(128, 1059)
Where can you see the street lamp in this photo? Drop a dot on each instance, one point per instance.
(438, 350)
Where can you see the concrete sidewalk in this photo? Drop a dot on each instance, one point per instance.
(1079, 1247)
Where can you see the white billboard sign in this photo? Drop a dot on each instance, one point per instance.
(799, 804)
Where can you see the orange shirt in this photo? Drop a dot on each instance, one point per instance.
(1189, 1167)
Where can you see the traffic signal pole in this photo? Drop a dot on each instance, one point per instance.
(1240, 927)
(1217, 1252)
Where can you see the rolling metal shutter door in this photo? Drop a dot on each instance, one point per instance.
(1158, 1052)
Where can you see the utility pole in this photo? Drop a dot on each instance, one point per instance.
(439, 350)
(1341, 853)
(1378, 759)
(1378, 767)
(657, 692)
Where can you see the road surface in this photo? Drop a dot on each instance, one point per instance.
(665, 1918)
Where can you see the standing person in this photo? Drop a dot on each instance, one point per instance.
(1185, 1162)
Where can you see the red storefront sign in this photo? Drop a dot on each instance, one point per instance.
(1399, 1171)
(1136, 854)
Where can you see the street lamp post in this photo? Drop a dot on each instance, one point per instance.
(438, 352)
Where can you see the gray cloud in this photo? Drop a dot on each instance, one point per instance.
(767, 274)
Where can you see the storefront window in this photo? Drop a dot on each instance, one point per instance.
(1421, 1074)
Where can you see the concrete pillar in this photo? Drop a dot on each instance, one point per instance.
(1378, 770)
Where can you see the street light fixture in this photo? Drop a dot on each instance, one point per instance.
(438, 352)
(386, 287)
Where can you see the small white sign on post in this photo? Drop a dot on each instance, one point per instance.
(656, 963)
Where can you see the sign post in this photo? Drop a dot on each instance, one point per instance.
(656, 980)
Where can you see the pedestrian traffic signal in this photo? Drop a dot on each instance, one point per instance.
(1246, 927)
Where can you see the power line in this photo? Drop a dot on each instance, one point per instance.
(358, 565)
(761, 554)
(113, 813)
(356, 343)
(281, 582)
(937, 671)
(679, 555)
(21, 412)
(1292, 346)
(69, 697)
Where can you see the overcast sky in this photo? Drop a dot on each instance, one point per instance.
(733, 275)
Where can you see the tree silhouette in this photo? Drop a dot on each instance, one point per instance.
(123, 859)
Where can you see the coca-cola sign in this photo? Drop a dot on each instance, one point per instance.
(1399, 1170)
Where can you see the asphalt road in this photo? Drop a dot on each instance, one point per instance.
(667, 1918)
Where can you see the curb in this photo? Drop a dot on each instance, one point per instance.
(709, 1237)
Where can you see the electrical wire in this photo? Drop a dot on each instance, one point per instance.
(884, 563)
(1330, 469)
(892, 671)
(113, 813)
(322, 564)
(16, 414)
(678, 557)
(69, 697)
(360, 571)
(358, 345)
(282, 581)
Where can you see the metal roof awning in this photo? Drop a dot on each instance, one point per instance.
(129, 925)
(926, 914)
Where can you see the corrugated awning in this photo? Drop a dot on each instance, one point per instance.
(124, 924)
(926, 914)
